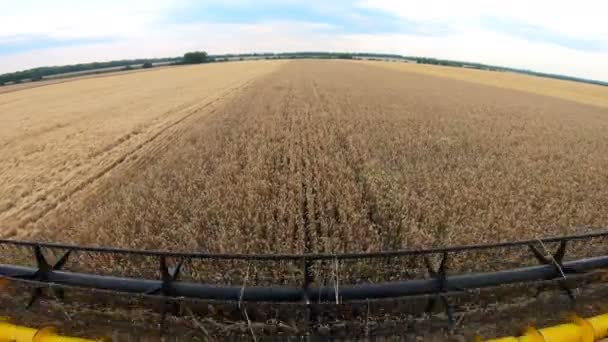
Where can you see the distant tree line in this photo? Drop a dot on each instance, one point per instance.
(471, 65)
(295, 55)
(37, 74)
(196, 57)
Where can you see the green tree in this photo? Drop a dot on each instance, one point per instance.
(344, 56)
(195, 57)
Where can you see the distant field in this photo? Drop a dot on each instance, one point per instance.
(26, 85)
(306, 156)
(74, 76)
(569, 90)
(103, 70)
(59, 140)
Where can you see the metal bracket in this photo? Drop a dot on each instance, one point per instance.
(556, 260)
(311, 313)
(44, 269)
(168, 276)
(440, 275)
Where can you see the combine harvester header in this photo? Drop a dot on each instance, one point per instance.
(14, 333)
(579, 330)
(439, 283)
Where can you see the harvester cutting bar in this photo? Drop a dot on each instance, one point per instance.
(312, 256)
(295, 294)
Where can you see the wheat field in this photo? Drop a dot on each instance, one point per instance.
(60, 140)
(574, 91)
(302, 156)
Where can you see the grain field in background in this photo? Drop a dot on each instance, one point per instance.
(332, 156)
(574, 91)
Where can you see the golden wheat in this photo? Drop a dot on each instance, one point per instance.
(336, 156)
(574, 91)
(59, 139)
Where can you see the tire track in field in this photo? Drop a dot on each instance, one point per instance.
(144, 150)
(108, 150)
(355, 162)
(214, 103)
(288, 162)
(303, 119)
(351, 157)
(318, 124)
(295, 164)
(305, 188)
(322, 200)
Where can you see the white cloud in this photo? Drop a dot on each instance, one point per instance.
(68, 19)
(581, 18)
(139, 28)
(469, 39)
(212, 37)
(497, 49)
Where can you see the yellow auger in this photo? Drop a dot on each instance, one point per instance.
(14, 333)
(579, 330)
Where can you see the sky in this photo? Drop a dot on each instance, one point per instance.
(555, 36)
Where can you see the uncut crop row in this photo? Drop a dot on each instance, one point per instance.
(330, 156)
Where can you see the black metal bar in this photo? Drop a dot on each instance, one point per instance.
(317, 256)
(311, 316)
(168, 276)
(440, 276)
(41, 272)
(308, 278)
(295, 294)
(555, 260)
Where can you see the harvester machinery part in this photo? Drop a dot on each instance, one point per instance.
(42, 272)
(15, 333)
(440, 275)
(311, 311)
(168, 276)
(393, 289)
(556, 260)
(579, 330)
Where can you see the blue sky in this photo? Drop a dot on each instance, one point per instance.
(551, 36)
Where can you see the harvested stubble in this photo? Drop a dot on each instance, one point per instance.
(62, 139)
(332, 156)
